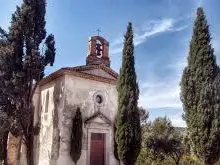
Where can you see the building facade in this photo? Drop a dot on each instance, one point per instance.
(92, 89)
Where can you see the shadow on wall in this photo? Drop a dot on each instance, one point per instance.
(56, 132)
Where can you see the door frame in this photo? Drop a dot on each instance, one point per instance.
(106, 131)
(103, 143)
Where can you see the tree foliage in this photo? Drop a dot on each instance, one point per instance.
(22, 65)
(76, 137)
(144, 115)
(128, 133)
(115, 144)
(155, 151)
(163, 142)
(3, 149)
(200, 93)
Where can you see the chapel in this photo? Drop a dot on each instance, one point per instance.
(90, 88)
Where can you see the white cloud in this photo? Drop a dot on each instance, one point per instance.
(216, 45)
(180, 28)
(150, 29)
(117, 42)
(157, 93)
(160, 95)
(174, 114)
(116, 50)
(153, 28)
(177, 120)
(200, 3)
(116, 46)
(178, 65)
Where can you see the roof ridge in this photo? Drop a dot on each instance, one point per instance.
(89, 67)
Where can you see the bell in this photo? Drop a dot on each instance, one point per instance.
(98, 53)
(98, 47)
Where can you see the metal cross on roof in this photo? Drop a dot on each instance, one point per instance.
(98, 30)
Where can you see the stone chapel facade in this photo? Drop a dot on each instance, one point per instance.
(92, 89)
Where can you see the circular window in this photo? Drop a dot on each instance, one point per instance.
(99, 99)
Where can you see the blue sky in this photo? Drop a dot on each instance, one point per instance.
(162, 33)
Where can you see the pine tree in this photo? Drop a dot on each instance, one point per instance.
(200, 93)
(128, 133)
(22, 65)
(76, 137)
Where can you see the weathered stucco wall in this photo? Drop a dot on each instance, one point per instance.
(58, 101)
(46, 127)
(80, 93)
(49, 112)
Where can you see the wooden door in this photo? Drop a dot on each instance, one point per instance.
(97, 150)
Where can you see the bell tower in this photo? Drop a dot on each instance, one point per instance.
(98, 51)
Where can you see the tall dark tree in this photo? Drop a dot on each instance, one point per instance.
(22, 65)
(76, 137)
(115, 144)
(11, 94)
(3, 149)
(200, 93)
(128, 133)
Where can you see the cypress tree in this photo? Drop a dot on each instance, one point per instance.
(76, 137)
(128, 133)
(22, 65)
(200, 93)
(115, 144)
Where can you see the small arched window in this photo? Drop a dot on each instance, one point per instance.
(46, 106)
(47, 102)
